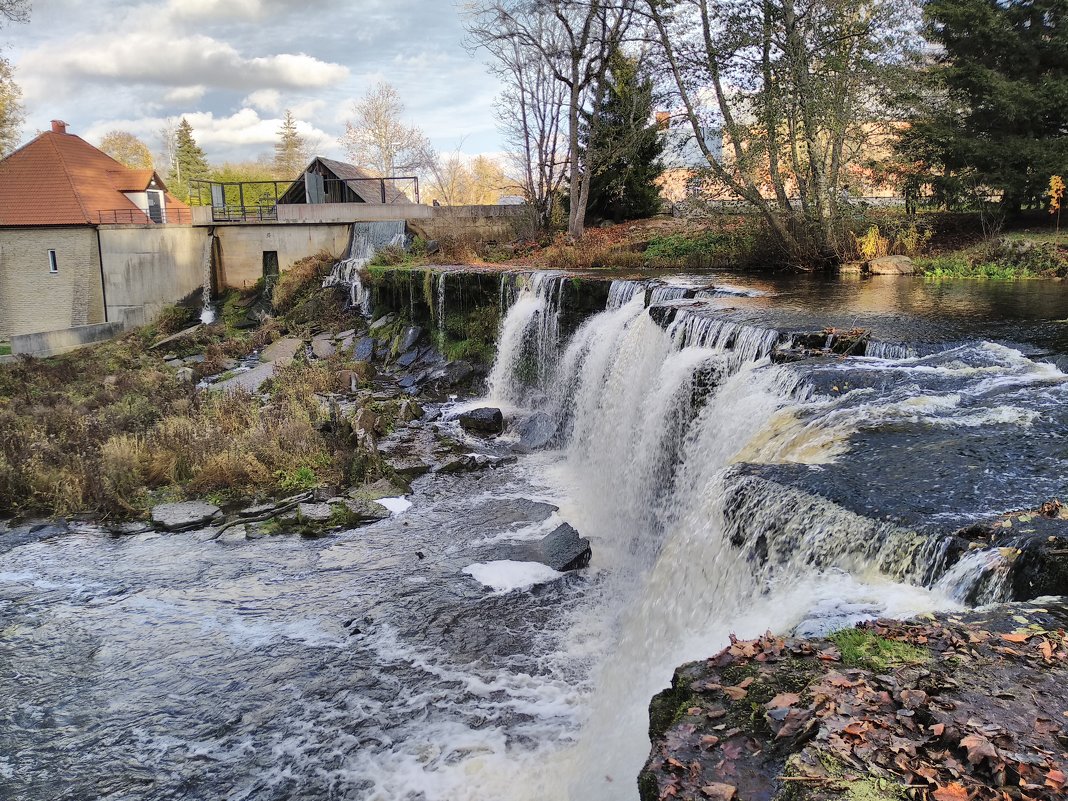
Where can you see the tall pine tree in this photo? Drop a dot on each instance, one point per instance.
(291, 150)
(992, 114)
(189, 163)
(622, 145)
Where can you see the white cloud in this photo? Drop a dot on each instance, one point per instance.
(185, 94)
(156, 58)
(264, 100)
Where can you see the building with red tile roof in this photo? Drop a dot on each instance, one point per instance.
(60, 179)
(85, 239)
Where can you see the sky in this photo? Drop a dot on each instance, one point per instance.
(231, 67)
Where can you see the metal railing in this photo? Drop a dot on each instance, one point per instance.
(257, 213)
(172, 216)
(246, 201)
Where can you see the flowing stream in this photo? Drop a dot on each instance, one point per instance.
(401, 661)
(366, 240)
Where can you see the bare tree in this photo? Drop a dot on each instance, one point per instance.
(531, 115)
(167, 136)
(453, 181)
(127, 149)
(14, 10)
(572, 40)
(11, 114)
(378, 138)
(777, 93)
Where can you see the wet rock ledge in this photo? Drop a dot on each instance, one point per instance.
(954, 707)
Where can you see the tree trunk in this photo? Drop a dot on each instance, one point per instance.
(576, 218)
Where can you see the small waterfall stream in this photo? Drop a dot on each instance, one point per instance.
(207, 310)
(366, 240)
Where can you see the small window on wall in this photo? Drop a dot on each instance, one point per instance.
(53, 267)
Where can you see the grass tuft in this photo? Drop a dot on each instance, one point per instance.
(861, 648)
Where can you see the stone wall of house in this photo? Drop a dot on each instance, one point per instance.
(148, 267)
(241, 247)
(31, 298)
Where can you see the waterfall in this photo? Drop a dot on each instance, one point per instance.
(207, 311)
(528, 340)
(665, 417)
(440, 310)
(366, 240)
(622, 292)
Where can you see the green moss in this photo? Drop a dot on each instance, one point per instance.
(837, 785)
(861, 648)
(5, 348)
(667, 707)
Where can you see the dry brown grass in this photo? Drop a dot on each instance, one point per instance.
(293, 284)
(109, 431)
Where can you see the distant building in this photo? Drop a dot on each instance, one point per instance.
(329, 181)
(55, 194)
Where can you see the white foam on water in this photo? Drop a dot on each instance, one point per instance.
(506, 575)
(395, 505)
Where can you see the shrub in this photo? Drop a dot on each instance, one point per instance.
(299, 279)
(677, 247)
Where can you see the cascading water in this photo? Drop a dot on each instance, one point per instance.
(366, 240)
(653, 416)
(207, 310)
(528, 341)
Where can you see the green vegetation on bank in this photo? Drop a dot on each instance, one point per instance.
(1012, 257)
(5, 348)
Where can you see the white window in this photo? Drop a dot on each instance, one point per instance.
(53, 267)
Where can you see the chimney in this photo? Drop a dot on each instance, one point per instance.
(58, 126)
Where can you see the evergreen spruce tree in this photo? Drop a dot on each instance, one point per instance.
(992, 113)
(291, 151)
(622, 144)
(190, 162)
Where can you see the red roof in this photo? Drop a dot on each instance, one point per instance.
(60, 179)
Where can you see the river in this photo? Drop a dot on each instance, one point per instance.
(403, 660)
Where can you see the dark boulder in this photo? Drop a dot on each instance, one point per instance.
(536, 431)
(364, 350)
(485, 420)
(412, 334)
(562, 549)
(408, 358)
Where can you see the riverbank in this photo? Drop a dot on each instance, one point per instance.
(706, 452)
(968, 706)
(942, 245)
(281, 395)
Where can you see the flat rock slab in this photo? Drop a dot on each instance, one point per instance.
(314, 512)
(364, 350)
(253, 379)
(322, 348)
(184, 515)
(286, 348)
(562, 549)
(892, 265)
